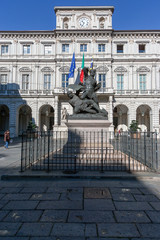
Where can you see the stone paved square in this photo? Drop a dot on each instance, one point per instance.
(154, 216)
(98, 204)
(149, 230)
(21, 205)
(8, 229)
(123, 197)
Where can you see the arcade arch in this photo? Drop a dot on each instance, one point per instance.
(46, 117)
(25, 115)
(4, 119)
(143, 113)
(120, 117)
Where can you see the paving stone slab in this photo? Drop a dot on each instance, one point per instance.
(3, 203)
(98, 204)
(146, 191)
(123, 197)
(155, 205)
(117, 230)
(21, 205)
(35, 229)
(45, 196)
(125, 190)
(57, 238)
(97, 193)
(8, 229)
(149, 230)
(17, 196)
(146, 198)
(131, 216)
(54, 216)
(71, 196)
(154, 216)
(68, 230)
(133, 206)
(23, 216)
(60, 205)
(34, 190)
(91, 216)
(3, 213)
(10, 190)
(108, 238)
(90, 230)
(14, 238)
(2, 195)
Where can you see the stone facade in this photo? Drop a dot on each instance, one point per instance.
(34, 67)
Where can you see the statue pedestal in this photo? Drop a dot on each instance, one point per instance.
(88, 130)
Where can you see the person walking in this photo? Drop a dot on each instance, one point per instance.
(6, 138)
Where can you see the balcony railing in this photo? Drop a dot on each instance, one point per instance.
(64, 91)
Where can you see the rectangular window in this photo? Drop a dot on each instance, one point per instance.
(101, 47)
(142, 81)
(25, 81)
(47, 81)
(47, 49)
(64, 80)
(102, 80)
(3, 81)
(26, 49)
(119, 48)
(4, 49)
(120, 81)
(83, 47)
(65, 48)
(141, 48)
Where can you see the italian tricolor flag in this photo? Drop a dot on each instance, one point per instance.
(82, 73)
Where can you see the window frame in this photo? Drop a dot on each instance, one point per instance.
(47, 82)
(28, 47)
(144, 46)
(101, 47)
(142, 82)
(65, 81)
(45, 52)
(102, 81)
(83, 47)
(119, 50)
(120, 82)
(65, 48)
(3, 84)
(5, 46)
(25, 82)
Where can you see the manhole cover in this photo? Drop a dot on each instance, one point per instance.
(96, 193)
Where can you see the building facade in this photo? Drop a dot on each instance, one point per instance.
(34, 67)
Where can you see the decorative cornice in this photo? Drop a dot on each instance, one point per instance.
(47, 69)
(102, 69)
(25, 69)
(4, 69)
(120, 69)
(143, 69)
(26, 42)
(120, 42)
(47, 42)
(64, 69)
(6, 42)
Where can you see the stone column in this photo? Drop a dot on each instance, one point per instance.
(56, 111)
(36, 85)
(154, 118)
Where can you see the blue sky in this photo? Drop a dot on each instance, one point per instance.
(39, 14)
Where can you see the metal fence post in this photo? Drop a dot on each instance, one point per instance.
(156, 143)
(22, 150)
(129, 152)
(48, 150)
(102, 170)
(145, 148)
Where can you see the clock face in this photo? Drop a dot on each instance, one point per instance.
(84, 22)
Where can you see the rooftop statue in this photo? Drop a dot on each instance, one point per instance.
(85, 104)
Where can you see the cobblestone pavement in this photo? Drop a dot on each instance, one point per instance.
(80, 210)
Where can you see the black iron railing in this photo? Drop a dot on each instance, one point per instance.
(72, 151)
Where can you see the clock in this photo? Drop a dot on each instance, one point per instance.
(84, 22)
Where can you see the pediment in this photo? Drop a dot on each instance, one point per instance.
(64, 69)
(47, 69)
(102, 69)
(143, 69)
(25, 69)
(120, 69)
(4, 69)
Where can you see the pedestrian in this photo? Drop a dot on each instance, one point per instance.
(6, 138)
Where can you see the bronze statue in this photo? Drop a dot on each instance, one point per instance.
(86, 104)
